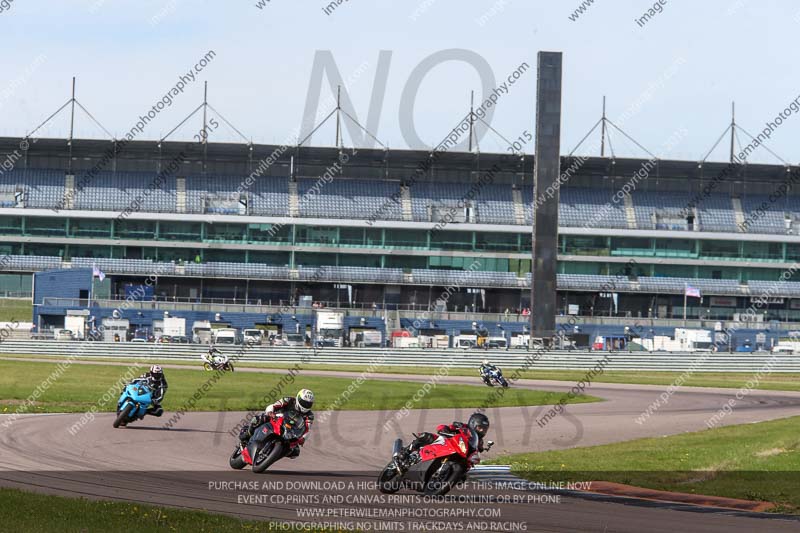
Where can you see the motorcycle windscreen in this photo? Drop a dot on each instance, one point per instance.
(294, 425)
(473, 441)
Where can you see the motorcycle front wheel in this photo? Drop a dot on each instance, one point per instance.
(237, 461)
(389, 481)
(268, 455)
(123, 415)
(444, 478)
(208, 367)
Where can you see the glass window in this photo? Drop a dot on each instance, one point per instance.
(506, 242)
(225, 232)
(180, 231)
(11, 225)
(89, 227)
(135, 229)
(276, 233)
(48, 227)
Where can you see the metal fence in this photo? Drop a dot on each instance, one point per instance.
(678, 362)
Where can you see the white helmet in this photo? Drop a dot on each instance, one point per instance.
(156, 370)
(485, 362)
(305, 400)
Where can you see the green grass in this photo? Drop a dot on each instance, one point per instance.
(80, 387)
(35, 513)
(751, 461)
(774, 381)
(15, 309)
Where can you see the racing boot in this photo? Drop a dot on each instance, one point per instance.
(295, 453)
(156, 410)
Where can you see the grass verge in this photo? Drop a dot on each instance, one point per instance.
(15, 309)
(37, 513)
(733, 380)
(751, 462)
(80, 387)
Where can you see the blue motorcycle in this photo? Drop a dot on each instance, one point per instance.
(133, 403)
(494, 376)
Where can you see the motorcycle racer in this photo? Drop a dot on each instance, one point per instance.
(215, 357)
(486, 371)
(477, 426)
(157, 382)
(301, 403)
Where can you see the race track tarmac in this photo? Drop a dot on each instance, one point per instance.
(187, 465)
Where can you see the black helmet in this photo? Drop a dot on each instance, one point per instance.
(479, 423)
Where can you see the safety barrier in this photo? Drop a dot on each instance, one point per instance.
(566, 360)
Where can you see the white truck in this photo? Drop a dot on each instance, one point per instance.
(365, 338)
(201, 332)
(694, 340)
(174, 326)
(787, 345)
(76, 324)
(685, 340)
(115, 329)
(329, 328)
(465, 341)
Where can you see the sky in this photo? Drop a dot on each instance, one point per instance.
(409, 68)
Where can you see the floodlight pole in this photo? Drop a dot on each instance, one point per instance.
(603, 130)
(204, 135)
(72, 112)
(338, 116)
(733, 127)
(471, 117)
(71, 125)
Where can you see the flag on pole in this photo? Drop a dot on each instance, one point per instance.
(97, 273)
(692, 291)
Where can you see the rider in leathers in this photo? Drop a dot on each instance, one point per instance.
(301, 403)
(477, 425)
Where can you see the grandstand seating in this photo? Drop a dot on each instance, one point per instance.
(461, 278)
(123, 190)
(769, 220)
(348, 198)
(491, 203)
(269, 196)
(125, 266)
(41, 188)
(351, 198)
(653, 207)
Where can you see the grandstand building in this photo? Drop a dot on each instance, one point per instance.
(376, 229)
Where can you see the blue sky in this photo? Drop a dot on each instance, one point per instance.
(715, 52)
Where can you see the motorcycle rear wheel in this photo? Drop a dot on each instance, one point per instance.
(267, 459)
(123, 415)
(387, 481)
(237, 461)
(444, 478)
(230, 367)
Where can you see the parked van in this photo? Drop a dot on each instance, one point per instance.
(227, 336)
(63, 335)
(295, 339)
(783, 349)
(253, 336)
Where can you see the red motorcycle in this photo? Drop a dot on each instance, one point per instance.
(435, 468)
(274, 439)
